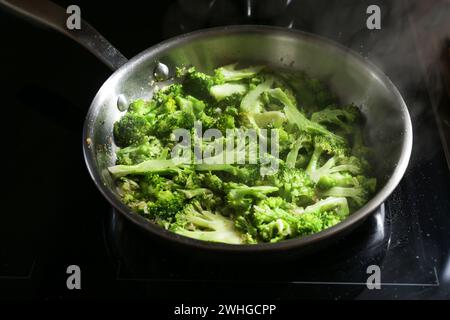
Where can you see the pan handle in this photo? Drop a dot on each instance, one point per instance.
(51, 15)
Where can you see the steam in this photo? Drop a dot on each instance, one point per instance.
(406, 48)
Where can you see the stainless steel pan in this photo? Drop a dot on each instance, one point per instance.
(351, 77)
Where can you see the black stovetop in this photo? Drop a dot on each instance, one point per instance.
(55, 217)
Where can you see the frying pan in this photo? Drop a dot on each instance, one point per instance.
(355, 80)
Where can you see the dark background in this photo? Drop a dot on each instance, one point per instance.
(52, 214)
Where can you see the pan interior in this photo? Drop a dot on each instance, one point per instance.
(354, 81)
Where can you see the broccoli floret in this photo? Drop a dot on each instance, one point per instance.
(207, 121)
(168, 122)
(129, 190)
(166, 205)
(187, 178)
(250, 233)
(224, 122)
(240, 196)
(196, 222)
(344, 118)
(135, 154)
(295, 185)
(322, 147)
(275, 220)
(190, 104)
(196, 83)
(132, 129)
(249, 174)
(276, 230)
(229, 72)
(358, 194)
(192, 193)
(152, 183)
(337, 179)
(167, 93)
(338, 205)
(302, 142)
(335, 175)
(212, 182)
(297, 118)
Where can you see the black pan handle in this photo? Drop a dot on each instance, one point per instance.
(51, 15)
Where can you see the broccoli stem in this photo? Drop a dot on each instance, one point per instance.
(222, 91)
(251, 103)
(291, 158)
(357, 194)
(217, 167)
(149, 166)
(297, 118)
(229, 72)
(192, 193)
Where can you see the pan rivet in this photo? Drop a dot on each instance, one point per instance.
(122, 104)
(161, 72)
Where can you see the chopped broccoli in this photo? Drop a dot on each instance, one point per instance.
(196, 83)
(240, 196)
(135, 154)
(277, 221)
(195, 222)
(295, 185)
(132, 129)
(323, 147)
(315, 174)
(358, 194)
(165, 205)
(296, 117)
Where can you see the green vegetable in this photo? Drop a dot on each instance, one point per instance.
(196, 222)
(135, 154)
(222, 91)
(149, 166)
(318, 176)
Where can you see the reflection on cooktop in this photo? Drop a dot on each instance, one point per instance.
(139, 257)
